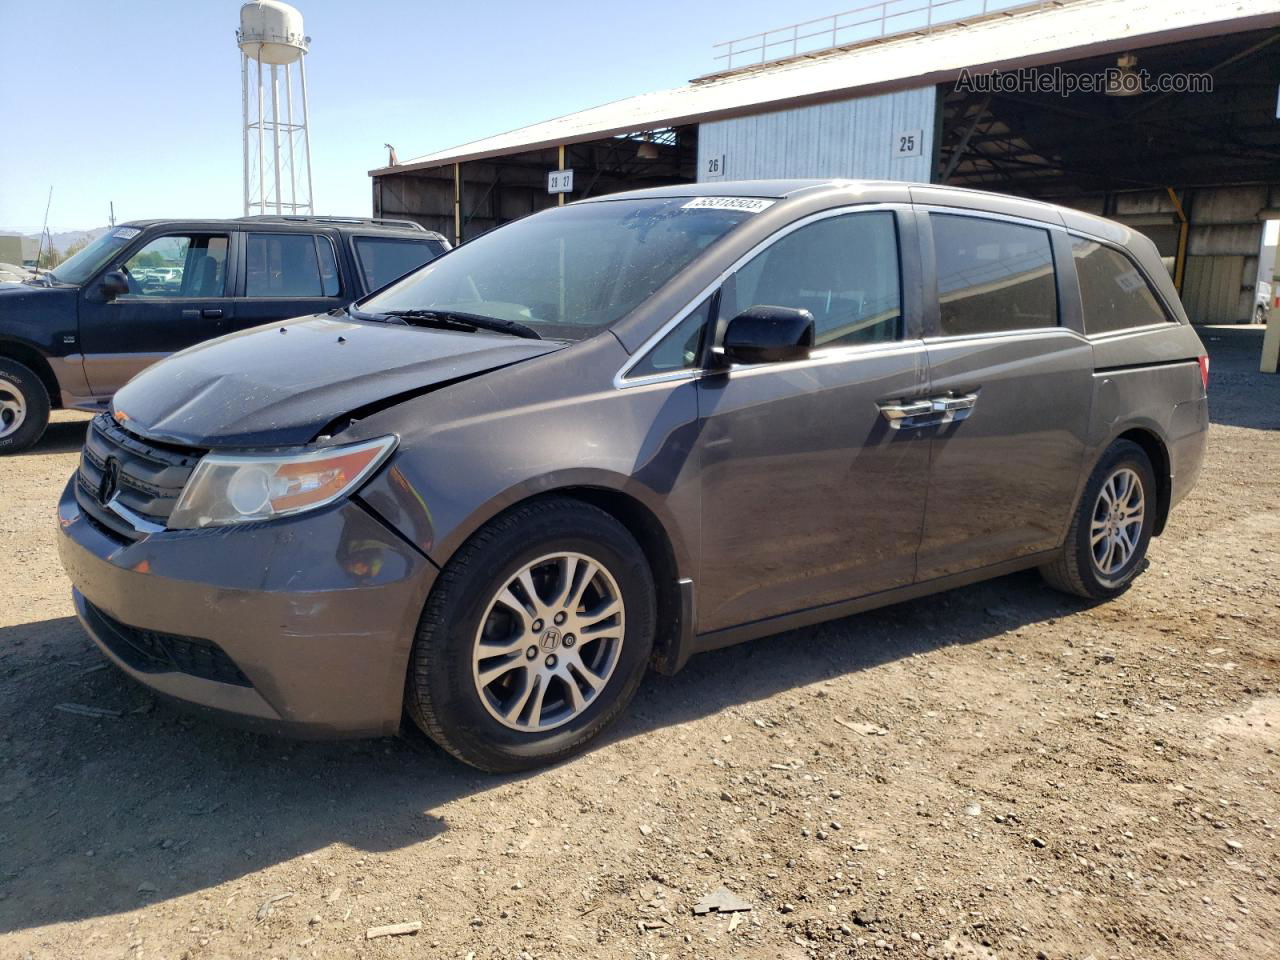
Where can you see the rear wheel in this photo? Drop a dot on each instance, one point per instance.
(535, 637)
(24, 406)
(1106, 545)
(1260, 314)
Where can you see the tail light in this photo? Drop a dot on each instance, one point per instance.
(1204, 371)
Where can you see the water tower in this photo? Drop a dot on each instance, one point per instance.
(279, 182)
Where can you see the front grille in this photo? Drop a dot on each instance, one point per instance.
(149, 651)
(151, 475)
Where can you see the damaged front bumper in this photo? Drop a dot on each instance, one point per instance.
(302, 625)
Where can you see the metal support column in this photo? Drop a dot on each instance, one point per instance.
(306, 133)
(560, 162)
(275, 131)
(244, 115)
(262, 146)
(1184, 228)
(457, 203)
(293, 177)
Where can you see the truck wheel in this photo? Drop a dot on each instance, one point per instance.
(1109, 535)
(535, 637)
(24, 407)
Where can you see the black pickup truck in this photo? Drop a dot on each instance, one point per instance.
(143, 290)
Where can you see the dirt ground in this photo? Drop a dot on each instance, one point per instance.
(996, 771)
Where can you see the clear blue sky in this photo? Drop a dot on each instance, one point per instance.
(138, 101)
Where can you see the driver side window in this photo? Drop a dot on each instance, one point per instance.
(179, 265)
(842, 269)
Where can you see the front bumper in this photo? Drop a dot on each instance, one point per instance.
(303, 625)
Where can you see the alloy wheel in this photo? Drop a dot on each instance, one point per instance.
(549, 642)
(1117, 521)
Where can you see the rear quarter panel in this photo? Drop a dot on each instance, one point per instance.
(1149, 379)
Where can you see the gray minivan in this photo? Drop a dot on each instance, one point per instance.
(624, 431)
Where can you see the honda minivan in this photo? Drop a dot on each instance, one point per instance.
(624, 431)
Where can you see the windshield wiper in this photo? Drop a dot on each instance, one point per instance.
(459, 320)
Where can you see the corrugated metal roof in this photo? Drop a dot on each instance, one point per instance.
(905, 61)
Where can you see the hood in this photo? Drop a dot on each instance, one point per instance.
(281, 385)
(38, 315)
(13, 294)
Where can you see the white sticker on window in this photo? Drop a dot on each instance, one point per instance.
(749, 204)
(126, 233)
(1130, 281)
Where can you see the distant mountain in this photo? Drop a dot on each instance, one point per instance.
(62, 239)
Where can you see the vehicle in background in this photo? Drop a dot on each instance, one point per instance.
(14, 273)
(73, 335)
(624, 431)
(1262, 304)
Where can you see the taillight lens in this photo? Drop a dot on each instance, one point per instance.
(1204, 371)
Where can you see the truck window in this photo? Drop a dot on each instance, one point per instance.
(179, 265)
(290, 265)
(384, 259)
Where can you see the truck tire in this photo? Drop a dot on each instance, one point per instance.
(24, 407)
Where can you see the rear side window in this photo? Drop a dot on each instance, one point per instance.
(843, 270)
(290, 265)
(993, 276)
(383, 259)
(1115, 296)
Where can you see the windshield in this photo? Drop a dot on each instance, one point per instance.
(568, 272)
(81, 266)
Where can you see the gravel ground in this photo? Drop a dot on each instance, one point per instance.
(996, 771)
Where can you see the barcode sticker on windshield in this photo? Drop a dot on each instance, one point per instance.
(747, 204)
(126, 233)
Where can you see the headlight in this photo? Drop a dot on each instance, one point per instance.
(240, 488)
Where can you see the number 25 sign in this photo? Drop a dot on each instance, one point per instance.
(908, 143)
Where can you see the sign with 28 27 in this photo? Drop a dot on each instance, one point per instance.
(560, 181)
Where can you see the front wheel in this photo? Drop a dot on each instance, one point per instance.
(24, 406)
(1106, 545)
(535, 637)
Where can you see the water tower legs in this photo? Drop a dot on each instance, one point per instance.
(306, 129)
(275, 133)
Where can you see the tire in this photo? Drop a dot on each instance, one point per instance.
(1077, 569)
(24, 407)
(1260, 315)
(445, 693)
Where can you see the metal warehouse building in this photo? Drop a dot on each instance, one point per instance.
(895, 93)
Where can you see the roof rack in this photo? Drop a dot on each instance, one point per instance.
(304, 218)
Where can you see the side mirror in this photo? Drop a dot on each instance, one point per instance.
(763, 334)
(114, 284)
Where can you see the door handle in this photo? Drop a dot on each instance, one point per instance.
(902, 415)
(954, 404)
(905, 415)
(211, 313)
(952, 408)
